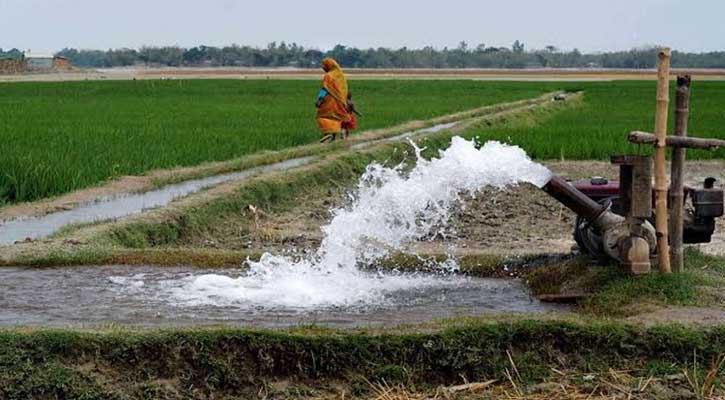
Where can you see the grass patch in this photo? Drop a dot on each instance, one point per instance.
(625, 294)
(598, 129)
(699, 261)
(182, 363)
(614, 292)
(99, 255)
(59, 136)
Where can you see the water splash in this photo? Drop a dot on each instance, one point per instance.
(389, 210)
(392, 209)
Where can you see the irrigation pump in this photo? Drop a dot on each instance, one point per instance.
(615, 219)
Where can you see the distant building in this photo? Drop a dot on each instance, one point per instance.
(35, 62)
(60, 62)
(40, 61)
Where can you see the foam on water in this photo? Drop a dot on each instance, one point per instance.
(390, 208)
(280, 283)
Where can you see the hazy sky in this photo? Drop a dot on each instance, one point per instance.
(590, 25)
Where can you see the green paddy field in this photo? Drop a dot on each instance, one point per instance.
(56, 137)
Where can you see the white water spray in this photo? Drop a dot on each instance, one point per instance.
(390, 209)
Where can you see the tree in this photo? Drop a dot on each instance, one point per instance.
(517, 47)
(196, 55)
(13, 54)
(283, 54)
(122, 57)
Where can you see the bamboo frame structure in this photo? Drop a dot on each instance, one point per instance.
(663, 99)
(677, 141)
(682, 110)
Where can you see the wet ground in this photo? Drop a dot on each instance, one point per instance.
(153, 296)
(124, 205)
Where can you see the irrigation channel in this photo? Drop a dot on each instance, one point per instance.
(337, 284)
(123, 205)
(164, 296)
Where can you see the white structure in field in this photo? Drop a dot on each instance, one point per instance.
(44, 61)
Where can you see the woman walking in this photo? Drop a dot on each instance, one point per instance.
(332, 107)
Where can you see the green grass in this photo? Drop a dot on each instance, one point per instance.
(229, 362)
(61, 136)
(621, 294)
(598, 129)
(614, 292)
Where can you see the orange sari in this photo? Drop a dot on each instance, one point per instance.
(333, 111)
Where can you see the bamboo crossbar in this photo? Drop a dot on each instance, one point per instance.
(676, 141)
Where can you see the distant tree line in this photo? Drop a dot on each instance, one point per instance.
(13, 54)
(462, 56)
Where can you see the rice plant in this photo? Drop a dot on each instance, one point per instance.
(598, 128)
(56, 137)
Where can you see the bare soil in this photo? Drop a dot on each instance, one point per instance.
(542, 74)
(704, 316)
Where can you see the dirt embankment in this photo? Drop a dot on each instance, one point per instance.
(520, 221)
(540, 74)
(466, 359)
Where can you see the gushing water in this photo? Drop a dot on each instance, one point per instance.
(390, 209)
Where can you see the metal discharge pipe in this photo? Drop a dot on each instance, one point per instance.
(627, 240)
(573, 199)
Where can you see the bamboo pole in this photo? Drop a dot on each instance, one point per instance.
(677, 141)
(663, 99)
(682, 109)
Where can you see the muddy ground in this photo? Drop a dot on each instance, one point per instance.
(518, 222)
